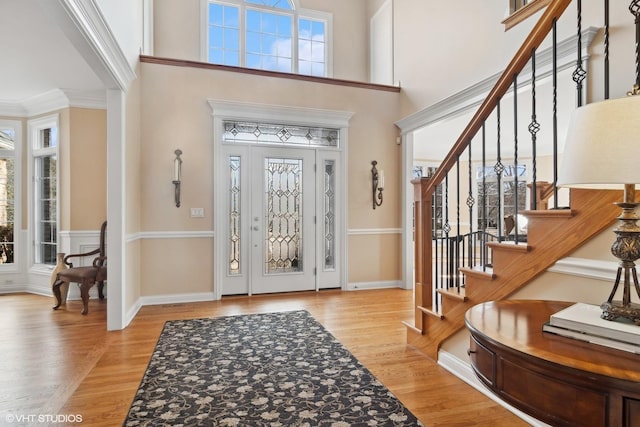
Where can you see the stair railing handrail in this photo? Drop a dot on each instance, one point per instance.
(535, 38)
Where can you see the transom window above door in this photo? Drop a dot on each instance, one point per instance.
(273, 35)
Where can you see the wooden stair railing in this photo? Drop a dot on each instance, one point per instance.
(425, 334)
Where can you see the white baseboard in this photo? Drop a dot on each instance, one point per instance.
(463, 370)
(374, 285)
(176, 298)
(132, 312)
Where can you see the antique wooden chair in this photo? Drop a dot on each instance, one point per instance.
(85, 276)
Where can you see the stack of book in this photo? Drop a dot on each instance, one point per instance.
(583, 322)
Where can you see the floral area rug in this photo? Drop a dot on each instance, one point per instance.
(275, 369)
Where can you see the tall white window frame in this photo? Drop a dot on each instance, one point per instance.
(12, 202)
(301, 63)
(44, 134)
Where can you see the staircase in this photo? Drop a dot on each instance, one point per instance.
(552, 234)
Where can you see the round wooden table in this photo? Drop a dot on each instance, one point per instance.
(559, 380)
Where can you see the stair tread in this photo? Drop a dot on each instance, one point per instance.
(509, 246)
(549, 213)
(486, 273)
(453, 293)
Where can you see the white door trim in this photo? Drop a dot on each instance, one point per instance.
(230, 110)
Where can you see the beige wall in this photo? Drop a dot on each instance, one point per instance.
(85, 202)
(176, 114)
(177, 33)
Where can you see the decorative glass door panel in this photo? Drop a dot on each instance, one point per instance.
(283, 215)
(283, 234)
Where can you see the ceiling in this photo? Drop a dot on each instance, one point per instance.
(37, 56)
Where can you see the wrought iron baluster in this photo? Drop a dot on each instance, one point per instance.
(447, 230)
(484, 247)
(606, 49)
(457, 258)
(470, 204)
(554, 42)
(634, 8)
(498, 169)
(534, 127)
(515, 157)
(579, 74)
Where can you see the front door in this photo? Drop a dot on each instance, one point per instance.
(271, 233)
(282, 220)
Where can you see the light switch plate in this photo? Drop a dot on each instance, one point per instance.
(197, 212)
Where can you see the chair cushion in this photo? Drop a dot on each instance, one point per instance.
(77, 274)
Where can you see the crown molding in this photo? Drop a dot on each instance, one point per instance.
(53, 100)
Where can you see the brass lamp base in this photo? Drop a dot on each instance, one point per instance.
(627, 249)
(615, 309)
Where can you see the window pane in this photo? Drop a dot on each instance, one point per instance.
(7, 138)
(216, 37)
(224, 34)
(216, 56)
(268, 45)
(7, 210)
(232, 58)
(304, 51)
(311, 47)
(269, 23)
(215, 14)
(304, 28)
(231, 17)
(48, 138)
(231, 39)
(253, 61)
(46, 193)
(284, 26)
(253, 42)
(253, 21)
(318, 32)
(317, 52)
(284, 65)
(283, 48)
(304, 67)
(317, 69)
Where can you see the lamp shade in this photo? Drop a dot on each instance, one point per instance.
(602, 149)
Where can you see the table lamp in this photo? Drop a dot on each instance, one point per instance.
(602, 151)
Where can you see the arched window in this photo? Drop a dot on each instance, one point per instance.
(270, 35)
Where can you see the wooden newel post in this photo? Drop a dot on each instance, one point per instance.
(422, 210)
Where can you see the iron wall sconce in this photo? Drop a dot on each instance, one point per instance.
(177, 172)
(377, 180)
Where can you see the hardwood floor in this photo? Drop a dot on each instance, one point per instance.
(61, 363)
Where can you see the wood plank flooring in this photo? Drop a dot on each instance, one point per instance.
(63, 363)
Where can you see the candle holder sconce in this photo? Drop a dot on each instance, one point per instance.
(177, 172)
(377, 181)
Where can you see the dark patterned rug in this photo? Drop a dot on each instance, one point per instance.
(276, 369)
